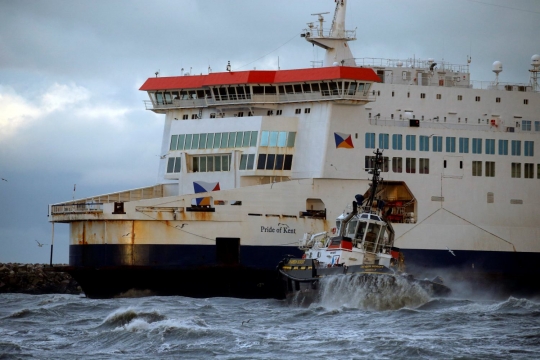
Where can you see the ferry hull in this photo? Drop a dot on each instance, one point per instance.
(105, 271)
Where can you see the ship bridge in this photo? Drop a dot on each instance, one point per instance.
(260, 89)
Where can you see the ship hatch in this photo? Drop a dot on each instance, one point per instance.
(228, 251)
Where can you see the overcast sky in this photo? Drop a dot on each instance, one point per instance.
(71, 112)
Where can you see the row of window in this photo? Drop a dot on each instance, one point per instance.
(232, 140)
(437, 144)
(516, 169)
(274, 162)
(278, 138)
(242, 92)
(528, 171)
(214, 140)
(459, 97)
(216, 163)
(423, 167)
(204, 163)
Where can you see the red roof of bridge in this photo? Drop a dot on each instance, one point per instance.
(260, 77)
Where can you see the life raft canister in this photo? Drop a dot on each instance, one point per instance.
(334, 230)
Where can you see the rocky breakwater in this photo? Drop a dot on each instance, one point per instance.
(36, 279)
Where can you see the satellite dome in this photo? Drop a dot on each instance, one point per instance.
(430, 60)
(535, 61)
(399, 63)
(497, 67)
(335, 63)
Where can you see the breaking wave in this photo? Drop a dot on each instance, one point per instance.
(123, 317)
(370, 292)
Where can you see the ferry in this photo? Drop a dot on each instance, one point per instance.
(253, 159)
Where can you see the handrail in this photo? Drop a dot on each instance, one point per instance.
(76, 208)
(328, 95)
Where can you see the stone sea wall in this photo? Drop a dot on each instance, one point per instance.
(35, 279)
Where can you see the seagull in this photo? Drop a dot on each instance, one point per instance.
(246, 321)
(162, 156)
(39, 244)
(4, 180)
(126, 234)
(451, 252)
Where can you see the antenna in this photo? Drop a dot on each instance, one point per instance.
(535, 62)
(321, 21)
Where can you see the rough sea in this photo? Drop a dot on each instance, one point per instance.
(345, 323)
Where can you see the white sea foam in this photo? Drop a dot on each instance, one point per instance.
(370, 292)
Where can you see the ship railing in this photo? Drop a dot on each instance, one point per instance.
(411, 64)
(315, 32)
(261, 99)
(76, 208)
(430, 123)
(95, 203)
(490, 85)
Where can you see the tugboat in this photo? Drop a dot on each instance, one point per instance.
(362, 247)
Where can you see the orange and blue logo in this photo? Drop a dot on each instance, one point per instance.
(343, 141)
(201, 187)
